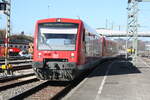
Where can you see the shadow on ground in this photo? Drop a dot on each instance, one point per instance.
(117, 67)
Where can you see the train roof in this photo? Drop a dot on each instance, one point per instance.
(59, 20)
(88, 28)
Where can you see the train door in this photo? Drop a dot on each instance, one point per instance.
(82, 58)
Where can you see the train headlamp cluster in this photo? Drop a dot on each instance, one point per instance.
(58, 20)
(39, 55)
(72, 55)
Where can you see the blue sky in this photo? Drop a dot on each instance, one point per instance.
(93, 12)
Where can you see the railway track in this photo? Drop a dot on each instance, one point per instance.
(18, 88)
(19, 64)
(17, 61)
(17, 82)
(13, 58)
(11, 87)
(21, 68)
(14, 77)
(38, 90)
(44, 91)
(49, 90)
(33, 89)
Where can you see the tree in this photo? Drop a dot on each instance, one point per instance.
(2, 34)
(21, 38)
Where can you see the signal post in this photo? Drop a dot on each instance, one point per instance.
(5, 7)
(133, 25)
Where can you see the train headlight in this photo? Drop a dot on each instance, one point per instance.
(58, 20)
(39, 55)
(72, 55)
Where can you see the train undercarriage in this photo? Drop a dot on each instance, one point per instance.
(61, 71)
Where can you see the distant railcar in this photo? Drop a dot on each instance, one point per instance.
(12, 51)
(109, 47)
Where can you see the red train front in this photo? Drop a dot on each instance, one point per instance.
(63, 47)
(12, 51)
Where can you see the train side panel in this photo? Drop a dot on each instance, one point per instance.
(12, 51)
(109, 47)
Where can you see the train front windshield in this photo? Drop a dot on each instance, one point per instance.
(57, 36)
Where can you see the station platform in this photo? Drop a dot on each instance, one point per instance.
(115, 80)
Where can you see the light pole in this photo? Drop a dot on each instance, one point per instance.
(132, 24)
(6, 8)
(49, 10)
(8, 12)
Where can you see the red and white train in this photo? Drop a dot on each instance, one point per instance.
(12, 51)
(65, 47)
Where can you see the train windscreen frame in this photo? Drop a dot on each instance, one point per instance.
(57, 36)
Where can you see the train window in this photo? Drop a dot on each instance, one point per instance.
(84, 35)
(59, 25)
(57, 36)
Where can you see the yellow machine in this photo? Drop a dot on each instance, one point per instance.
(7, 69)
(130, 50)
(4, 67)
